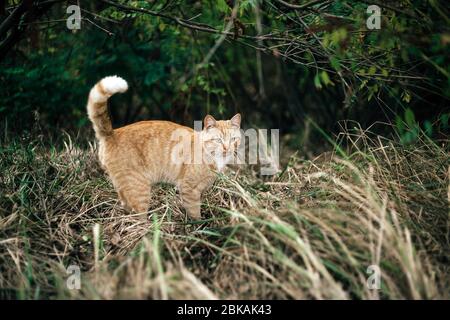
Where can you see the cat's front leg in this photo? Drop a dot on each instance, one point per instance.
(191, 202)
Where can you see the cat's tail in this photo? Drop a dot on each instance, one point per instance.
(97, 107)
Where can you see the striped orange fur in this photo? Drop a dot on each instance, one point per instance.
(139, 155)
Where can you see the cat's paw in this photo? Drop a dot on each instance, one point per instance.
(195, 215)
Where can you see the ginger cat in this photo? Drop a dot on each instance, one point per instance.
(141, 154)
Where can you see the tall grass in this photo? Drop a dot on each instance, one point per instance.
(311, 231)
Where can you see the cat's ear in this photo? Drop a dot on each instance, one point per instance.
(209, 122)
(236, 120)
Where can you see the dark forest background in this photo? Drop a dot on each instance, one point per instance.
(301, 66)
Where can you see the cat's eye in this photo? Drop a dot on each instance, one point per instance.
(218, 140)
(235, 139)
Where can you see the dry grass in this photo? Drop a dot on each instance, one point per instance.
(309, 232)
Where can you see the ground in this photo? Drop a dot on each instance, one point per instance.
(311, 231)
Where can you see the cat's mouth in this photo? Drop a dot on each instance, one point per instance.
(225, 158)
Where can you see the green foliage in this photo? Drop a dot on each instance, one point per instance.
(409, 129)
(328, 66)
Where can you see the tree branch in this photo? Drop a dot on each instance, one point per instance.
(300, 6)
(12, 29)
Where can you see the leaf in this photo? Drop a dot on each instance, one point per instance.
(222, 6)
(184, 87)
(325, 78)
(410, 118)
(317, 82)
(372, 70)
(400, 124)
(428, 128)
(363, 84)
(335, 63)
(372, 90)
(406, 96)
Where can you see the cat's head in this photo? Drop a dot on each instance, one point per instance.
(221, 139)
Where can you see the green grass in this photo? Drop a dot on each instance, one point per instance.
(308, 233)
